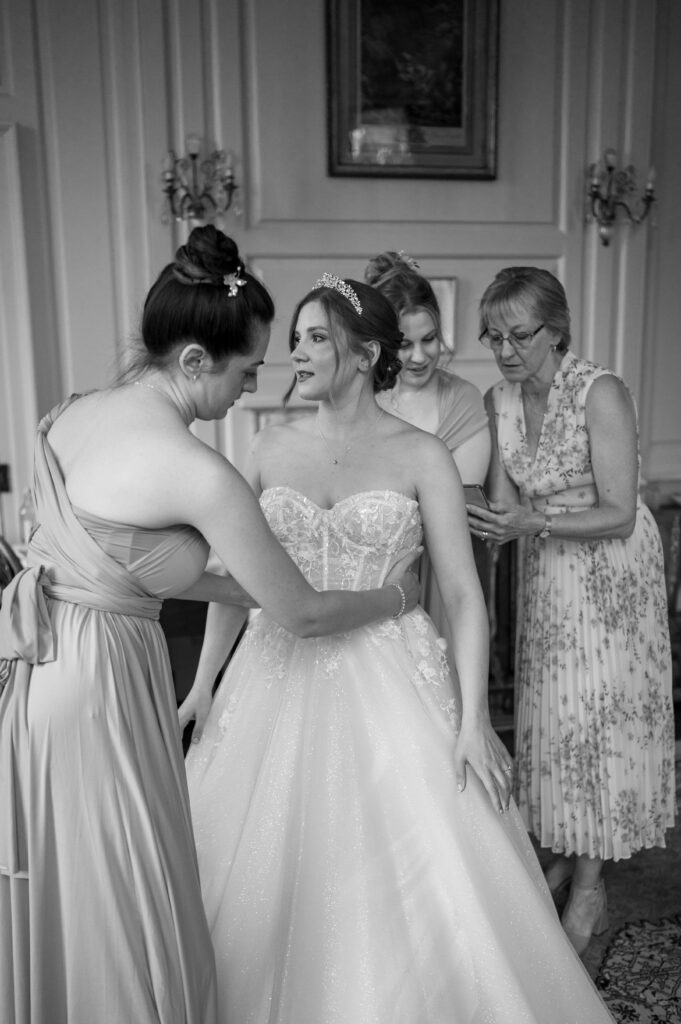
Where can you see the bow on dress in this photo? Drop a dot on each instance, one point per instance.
(26, 632)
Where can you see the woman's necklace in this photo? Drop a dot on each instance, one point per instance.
(152, 387)
(394, 396)
(337, 458)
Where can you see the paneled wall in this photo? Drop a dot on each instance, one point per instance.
(92, 94)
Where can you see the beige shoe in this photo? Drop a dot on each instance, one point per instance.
(585, 914)
(558, 874)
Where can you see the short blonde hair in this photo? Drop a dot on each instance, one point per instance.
(535, 288)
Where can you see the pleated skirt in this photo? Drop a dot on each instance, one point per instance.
(595, 725)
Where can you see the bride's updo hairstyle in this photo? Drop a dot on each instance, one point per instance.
(396, 276)
(205, 295)
(376, 322)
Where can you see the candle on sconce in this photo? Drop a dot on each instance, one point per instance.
(594, 179)
(199, 187)
(193, 144)
(611, 192)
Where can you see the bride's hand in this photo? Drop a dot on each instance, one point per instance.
(480, 747)
(402, 573)
(195, 706)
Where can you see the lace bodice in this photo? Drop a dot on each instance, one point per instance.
(351, 546)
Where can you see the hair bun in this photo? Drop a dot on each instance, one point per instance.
(386, 375)
(388, 265)
(208, 255)
(379, 266)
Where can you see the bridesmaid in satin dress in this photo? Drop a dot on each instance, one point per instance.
(101, 919)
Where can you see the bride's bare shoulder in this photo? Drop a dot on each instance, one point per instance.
(284, 433)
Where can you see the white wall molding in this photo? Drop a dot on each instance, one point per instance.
(18, 406)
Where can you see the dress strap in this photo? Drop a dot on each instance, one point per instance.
(73, 557)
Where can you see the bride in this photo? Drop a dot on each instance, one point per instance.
(360, 859)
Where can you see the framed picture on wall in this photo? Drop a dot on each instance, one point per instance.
(445, 293)
(412, 88)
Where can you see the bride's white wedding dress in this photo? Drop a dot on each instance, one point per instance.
(345, 879)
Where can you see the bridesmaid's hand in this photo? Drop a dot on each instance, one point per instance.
(480, 747)
(195, 707)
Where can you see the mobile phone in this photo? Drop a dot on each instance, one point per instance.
(475, 495)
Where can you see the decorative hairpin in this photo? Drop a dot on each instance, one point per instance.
(338, 285)
(233, 282)
(409, 260)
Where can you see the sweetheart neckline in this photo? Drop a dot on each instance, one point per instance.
(341, 501)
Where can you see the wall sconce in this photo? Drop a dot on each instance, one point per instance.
(609, 189)
(198, 189)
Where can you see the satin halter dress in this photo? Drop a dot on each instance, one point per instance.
(100, 909)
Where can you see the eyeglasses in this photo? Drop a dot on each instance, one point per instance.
(518, 339)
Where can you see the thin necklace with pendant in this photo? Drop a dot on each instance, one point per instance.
(337, 458)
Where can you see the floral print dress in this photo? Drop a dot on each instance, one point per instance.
(594, 726)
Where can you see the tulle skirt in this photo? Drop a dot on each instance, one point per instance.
(344, 877)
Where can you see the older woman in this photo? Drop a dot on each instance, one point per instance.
(594, 730)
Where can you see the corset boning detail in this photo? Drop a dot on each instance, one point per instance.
(352, 545)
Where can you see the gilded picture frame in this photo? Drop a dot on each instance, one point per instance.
(412, 88)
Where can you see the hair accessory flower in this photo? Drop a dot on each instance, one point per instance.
(338, 285)
(409, 260)
(233, 282)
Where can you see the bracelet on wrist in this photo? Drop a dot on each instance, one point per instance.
(545, 531)
(403, 600)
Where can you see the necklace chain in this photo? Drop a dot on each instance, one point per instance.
(337, 458)
(152, 387)
(333, 458)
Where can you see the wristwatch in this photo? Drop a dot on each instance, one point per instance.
(546, 528)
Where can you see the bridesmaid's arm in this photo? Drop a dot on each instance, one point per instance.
(224, 590)
(224, 621)
(472, 457)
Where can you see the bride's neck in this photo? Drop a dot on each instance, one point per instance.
(350, 417)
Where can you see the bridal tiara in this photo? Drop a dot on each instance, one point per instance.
(339, 285)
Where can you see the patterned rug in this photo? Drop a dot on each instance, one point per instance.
(640, 976)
